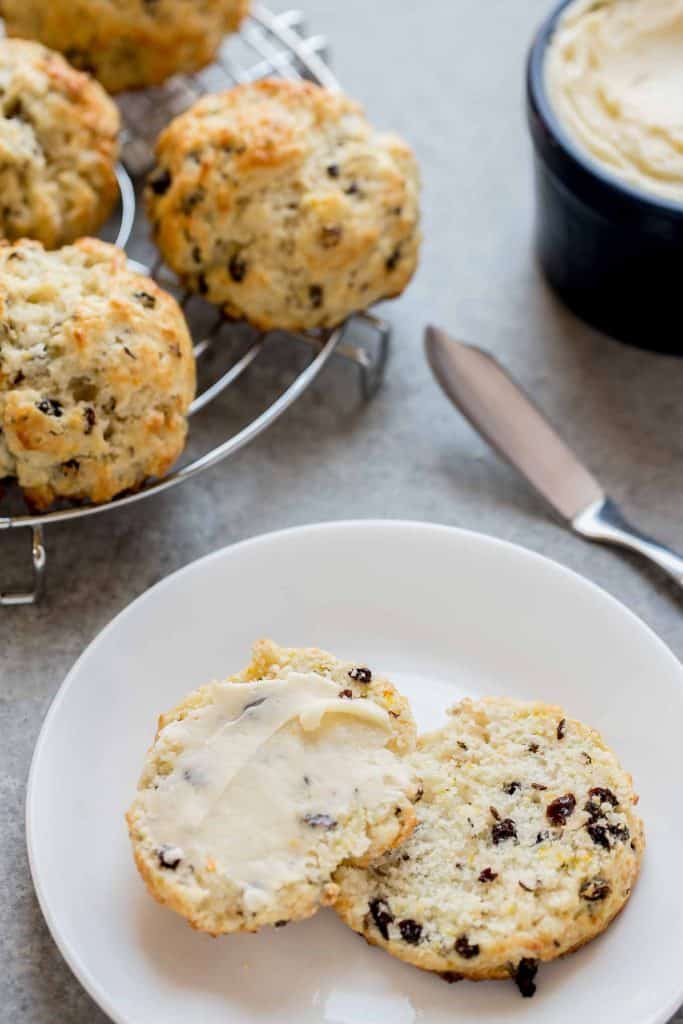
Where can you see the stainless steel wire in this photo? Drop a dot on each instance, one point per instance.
(267, 45)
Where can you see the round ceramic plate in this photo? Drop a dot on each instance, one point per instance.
(443, 612)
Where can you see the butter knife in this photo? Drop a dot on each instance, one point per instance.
(507, 418)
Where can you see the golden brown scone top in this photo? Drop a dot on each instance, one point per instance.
(281, 202)
(128, 44)
(58, 145)
(96, 373)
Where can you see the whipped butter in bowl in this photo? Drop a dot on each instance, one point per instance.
(614, 75)
(605, 104)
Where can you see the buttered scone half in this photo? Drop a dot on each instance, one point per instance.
(96, 373)
(280, 202)
(58, 146)
(128, 44)
(257, 788)
(527, 845)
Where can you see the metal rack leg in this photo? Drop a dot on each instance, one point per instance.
(370, 359)
(39, 558)
(373, 366)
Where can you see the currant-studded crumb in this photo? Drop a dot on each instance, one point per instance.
(527, 845)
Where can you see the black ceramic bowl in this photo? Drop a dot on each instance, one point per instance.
(613, 253)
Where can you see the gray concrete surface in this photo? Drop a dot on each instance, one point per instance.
(448, 74)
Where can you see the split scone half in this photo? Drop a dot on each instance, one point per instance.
(257, 788)
(527, 846)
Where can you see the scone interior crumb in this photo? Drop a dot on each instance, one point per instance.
(527, 845)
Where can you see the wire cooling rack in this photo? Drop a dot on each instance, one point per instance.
(267, 44)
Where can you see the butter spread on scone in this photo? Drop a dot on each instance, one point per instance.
(279, 201)
(614, 74)
(96, 373)
(58, 145)
(128, 44)
(254, 792)
(527, 845)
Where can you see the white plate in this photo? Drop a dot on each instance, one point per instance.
(446, 613)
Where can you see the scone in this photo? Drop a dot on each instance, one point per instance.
(280, 202)
(269, 661)
(96, 373)
(128, 44)
(58, 147)
(526, 847)
(258, 787)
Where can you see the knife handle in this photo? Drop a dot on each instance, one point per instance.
(603, 522)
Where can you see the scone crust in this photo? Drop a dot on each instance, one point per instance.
(129, 44)
(58, 146)
(209, 903)
(279, 201)
(96, 373)
(269, 661)
(466, 897)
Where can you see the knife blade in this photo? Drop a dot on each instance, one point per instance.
(507, 418)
